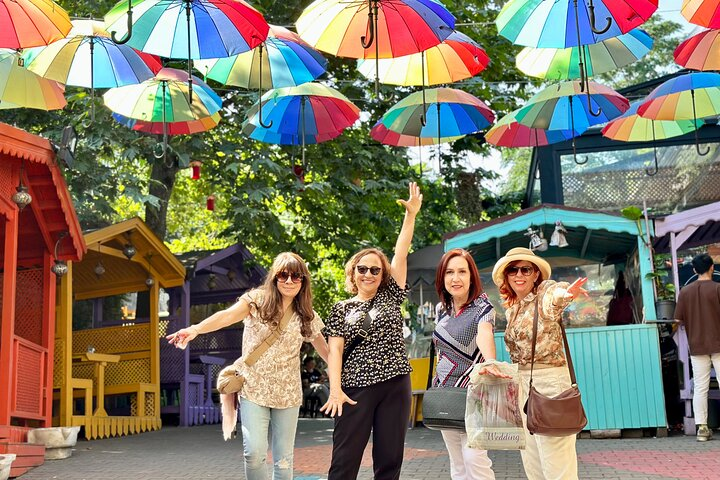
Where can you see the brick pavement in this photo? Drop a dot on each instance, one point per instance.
(199, 452)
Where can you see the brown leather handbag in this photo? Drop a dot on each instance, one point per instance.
(557, 416)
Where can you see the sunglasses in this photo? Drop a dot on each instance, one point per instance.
(295, 276)
(362, 270)
(525, 270)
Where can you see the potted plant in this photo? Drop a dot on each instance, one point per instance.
(664, 295)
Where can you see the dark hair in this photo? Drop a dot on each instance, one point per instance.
(350, 285)
(309, 359)
(507, 293)
(475, 283)
(702, 263)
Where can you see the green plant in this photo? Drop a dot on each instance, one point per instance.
(636, 215)
(664, 290)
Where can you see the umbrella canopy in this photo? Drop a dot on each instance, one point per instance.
(601, 57)
(31, 23)
(267, 136)
(19, 87)
(383, 135)
(348, 28)
(88, 58)
(507, 132)
(565, 106)
(458, 57)
(700, 52)
(705, 13)
(285, 60)
(164, 98)
(172, 128)
(557, 24)
(449, 113)
(631, 127)
(695, 95)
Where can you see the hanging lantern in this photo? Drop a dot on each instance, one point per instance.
(557, 239)
(231, 275)
(99, 269)
(212, 283)
(129, 250)
(149, 281)
(210, 205)
(537, 240)
(195, 166)
(21, 197)
(60, 267)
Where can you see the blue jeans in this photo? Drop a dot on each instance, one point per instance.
(256, 421)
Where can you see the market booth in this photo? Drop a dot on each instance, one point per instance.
(33, 239)
(107, 362)
(618, 367)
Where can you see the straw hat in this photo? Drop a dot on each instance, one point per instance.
(515, 255)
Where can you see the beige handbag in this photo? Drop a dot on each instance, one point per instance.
(230, 379)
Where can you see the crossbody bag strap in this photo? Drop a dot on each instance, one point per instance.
(270, 339)
(568, 356)
(573, 381)
(431, 364)
(362, 334)
(534, 336)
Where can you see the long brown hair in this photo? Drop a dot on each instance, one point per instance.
(507, 293)
(475, 283)
(271, 309)
(350, 285)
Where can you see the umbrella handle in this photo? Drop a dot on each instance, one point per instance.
(655, 170)
(260, 88)
(697, 139)
(591, 9)
(128, 35)
(590, 109)
(159, 150)
(372, 12)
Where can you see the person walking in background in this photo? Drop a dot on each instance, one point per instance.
(463, 334)
(271, 396)
(698, 310)
(313, 383)
(368, 366)
(523, 280)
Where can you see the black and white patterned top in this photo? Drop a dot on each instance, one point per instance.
(455, 340)
(382, 355)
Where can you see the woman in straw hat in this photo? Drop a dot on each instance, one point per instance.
(523, 279)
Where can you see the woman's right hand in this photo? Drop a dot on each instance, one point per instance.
(335, 403)
(182, 337)
(492, 370)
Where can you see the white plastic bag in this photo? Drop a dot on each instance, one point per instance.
(492, 411)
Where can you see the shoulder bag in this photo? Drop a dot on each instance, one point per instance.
(557, 416)
(230, 379)
(362, 334)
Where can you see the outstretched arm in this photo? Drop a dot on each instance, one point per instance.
(398, 267)
(216, 321)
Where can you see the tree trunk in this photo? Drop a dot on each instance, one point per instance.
(162, 181)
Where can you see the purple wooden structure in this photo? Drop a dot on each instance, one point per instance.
(188, 376)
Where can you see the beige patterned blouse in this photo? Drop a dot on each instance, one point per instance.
(518, 334)
(274, 380)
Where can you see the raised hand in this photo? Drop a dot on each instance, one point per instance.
(412, 204)
(575, 289)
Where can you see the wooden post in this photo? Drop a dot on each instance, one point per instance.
(154, 347)
(48, 336)
(7, 367)
(63, 332)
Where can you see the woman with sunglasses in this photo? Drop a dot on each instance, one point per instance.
(272, 394)
(368, 366)
(523, 279)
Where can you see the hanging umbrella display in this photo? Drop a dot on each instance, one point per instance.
(21, 88)
(265, 135)
(631, 127)
(173, 128)
(507, 132)
(385, 136)
(283, 60)
(686, 97)
(88, 58)
(187, 29)
(302, 111)
(601, 57)
(374, 28)
(705, 13)
(700, 52)
(31, 23)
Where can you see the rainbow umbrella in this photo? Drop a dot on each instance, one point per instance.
(310, 109)
(631, 127)
(351, 28)
(601, 57)
(31, 23)
(385, 136)
(187, 29)
(700, 52)
(507, 132)
(458, 57)
(705, 13)
(267, 136)
(173, 128)
(21, 88)
(690, 96)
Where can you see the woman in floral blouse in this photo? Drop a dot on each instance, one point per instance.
(272, 393)
(523, 280)
(371, 373)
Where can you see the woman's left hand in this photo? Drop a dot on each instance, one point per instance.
(412, 204)
(575, 289)
(492, 370)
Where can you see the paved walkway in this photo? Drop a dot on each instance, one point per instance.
(199, 452)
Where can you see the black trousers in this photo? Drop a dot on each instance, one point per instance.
(383, 408)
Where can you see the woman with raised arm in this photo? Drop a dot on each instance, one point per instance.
(271, 396)
(368, 366)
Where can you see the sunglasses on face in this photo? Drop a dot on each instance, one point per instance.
(295, 276)
(524, 270)
(362, 270)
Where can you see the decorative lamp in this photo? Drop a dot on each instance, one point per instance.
(212, 283)
(149, 281)
(537, 240)
(231, 275)
(557, 239)
(21, 197)
(59, 268)
(195, 165)
(99, 269)
(129, 249)
(210, 205)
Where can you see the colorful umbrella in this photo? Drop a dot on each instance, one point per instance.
(569, 23)
(507, 132)
(31, 23)
(191, 29)
(705, 13)
(21, 88)
(690, 96)
(349, 28)
(700, 52)
(601, 57)
(173, 128)
(458, 57)
(302, 111)
(631, 127)
(383, 135)
(268, 136)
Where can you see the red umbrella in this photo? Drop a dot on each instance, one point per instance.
(705, 13)
(31, 23)
(700, 52)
